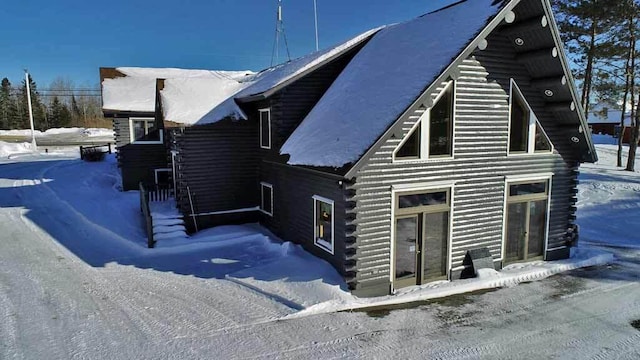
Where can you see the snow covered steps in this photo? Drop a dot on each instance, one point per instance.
(168, 223)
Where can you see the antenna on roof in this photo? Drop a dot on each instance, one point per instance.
(315, 14)
(279, 32)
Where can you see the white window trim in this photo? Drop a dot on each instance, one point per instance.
(156, 171)
(132, 133)
(268, 111)
(533, 121)
(330, 248)
(402, 188)
(174, 153)
(518, 179)
(262, 186)
(425, 120)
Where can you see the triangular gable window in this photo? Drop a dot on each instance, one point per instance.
(542, 143)
(433, 135)
(411, 147)
(526, 136)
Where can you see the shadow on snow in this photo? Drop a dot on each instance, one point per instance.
(80, 207)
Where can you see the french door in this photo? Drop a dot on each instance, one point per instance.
(421, 238)
(527, 214)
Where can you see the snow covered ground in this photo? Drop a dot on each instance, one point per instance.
(60, 136)
(77, 281)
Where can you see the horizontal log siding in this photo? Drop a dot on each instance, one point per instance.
(478, 170)
(219, 164)
(293, 191)
(137, 162)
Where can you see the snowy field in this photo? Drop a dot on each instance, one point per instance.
(60, 136)
(76, 281)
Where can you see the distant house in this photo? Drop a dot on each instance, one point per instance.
(393, 155)
(607, 122)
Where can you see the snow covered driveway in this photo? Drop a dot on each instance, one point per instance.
(73, 284)
(64, 292)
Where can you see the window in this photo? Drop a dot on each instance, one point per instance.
(411, 147)
(266, 195)
(526, 136)
(163, 177)
(423, 199)
(323, 223)
(441, 125)
(265, 128)
(436, 125)
(144, 131)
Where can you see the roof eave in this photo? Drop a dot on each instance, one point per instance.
(593, 155)
(265, 94)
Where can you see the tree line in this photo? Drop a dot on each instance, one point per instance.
(59, 105)
(602, 39)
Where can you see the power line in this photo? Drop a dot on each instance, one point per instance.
(65, 90)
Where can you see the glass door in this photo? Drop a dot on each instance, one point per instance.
(421, 237)
(516, 232)
(406, 250)
(435, 239)
(537, 226)
(526, 221)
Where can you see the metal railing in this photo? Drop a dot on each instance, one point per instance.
(149, 194)
(144, 207)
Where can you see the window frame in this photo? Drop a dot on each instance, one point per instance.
(404, 189)
(330, 248)
(144, 142)
(260, 112)
(264, 185)
(533, 124)
(525, 179)
(425, 131)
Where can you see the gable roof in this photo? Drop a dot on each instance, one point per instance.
(403, 64)
(133, 89)
(382, 80)
(270, 80)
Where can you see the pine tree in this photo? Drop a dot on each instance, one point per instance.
(5, 102)
(59, 114)
(76, 114)
(55, 112)
(584, 24)
(9, 113)
(632, 9)
(65, 116)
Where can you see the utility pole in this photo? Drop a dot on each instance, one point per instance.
(33, 134)
(315, 14)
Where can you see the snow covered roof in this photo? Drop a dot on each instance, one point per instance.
(382, 81)
(136, 91)
(608, 117)
(271, 79)
(190, 100)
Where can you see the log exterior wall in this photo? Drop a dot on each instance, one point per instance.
(137, 162)
(218, 165)
(293, 208)
(479, 169)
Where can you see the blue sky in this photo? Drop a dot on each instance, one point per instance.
(73, 38)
